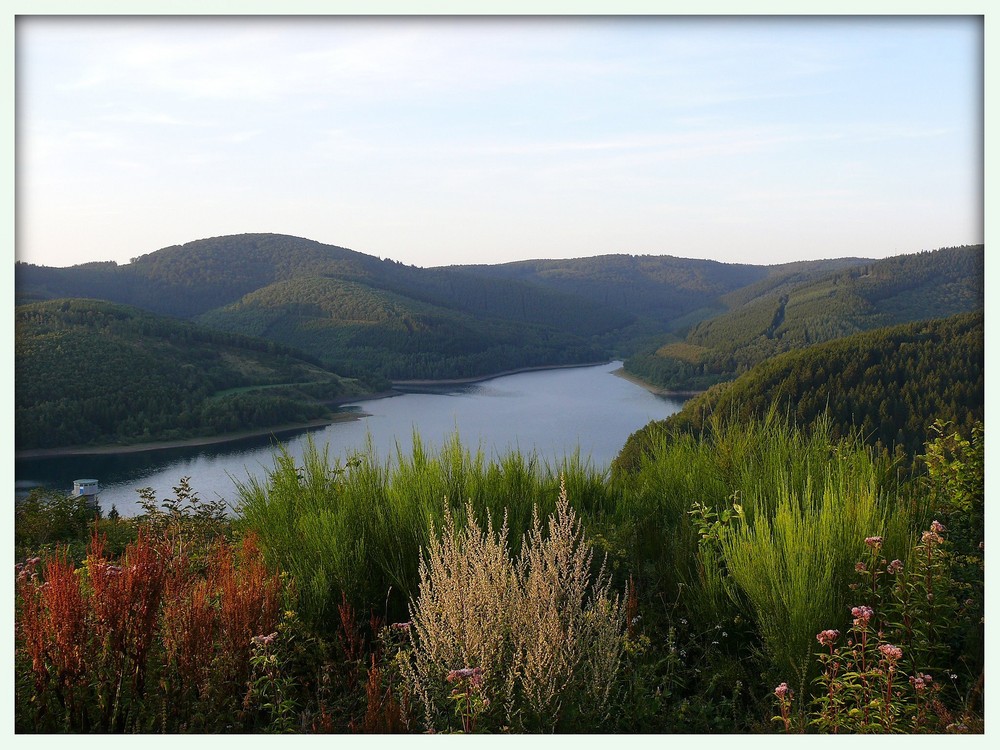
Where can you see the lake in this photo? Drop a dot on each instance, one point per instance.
(551, 413)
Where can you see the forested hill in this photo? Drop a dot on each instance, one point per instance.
(365, 316)
(672, 291)
(891, 383)
(188, 280)
(89, 372)
(782, 313)
(359, 314)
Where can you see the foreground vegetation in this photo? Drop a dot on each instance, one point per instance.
(754, 577)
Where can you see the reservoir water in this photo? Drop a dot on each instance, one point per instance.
(551, 413)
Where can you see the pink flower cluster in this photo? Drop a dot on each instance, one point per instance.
(402, 627)
(473, 674)
(921, 682)
(933, 537)
(896, 566)
(828, 637)
(263, 640)
(861, 615)
(782, 690)
(26, 570)
(890, 652)
(874, 542)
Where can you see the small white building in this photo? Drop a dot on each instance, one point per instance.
(88, 488)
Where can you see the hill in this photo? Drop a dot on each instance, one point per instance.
(890, 383)
(795, 309)
(680, 323)
(433, 322)
(90, 372)
(361, 329)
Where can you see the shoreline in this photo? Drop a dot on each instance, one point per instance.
(428, 383)
(655, 390)
(232, 437)
(160, 445)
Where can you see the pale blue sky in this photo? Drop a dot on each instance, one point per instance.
(439, 141)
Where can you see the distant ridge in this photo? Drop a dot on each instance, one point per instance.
(681, 323)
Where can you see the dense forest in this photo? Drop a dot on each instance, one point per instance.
(679, 324)
(361, 330)
(90, 372)
(886, 384)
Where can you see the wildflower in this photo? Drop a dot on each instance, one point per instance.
(890, 652)
(931, 538)
(828, 637)
(860, 567)
(402, 627)
(937, 527)
(474, 675)
(263, 640)
(874, 542)
(895, 567)
(782, 690)
(861, 615)
(920, 682)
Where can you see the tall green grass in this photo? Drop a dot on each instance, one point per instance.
(782, 566)
(784, 562)
(359, 528)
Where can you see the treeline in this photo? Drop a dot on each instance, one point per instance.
(91, 372)
(886, 384)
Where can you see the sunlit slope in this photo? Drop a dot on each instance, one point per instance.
(782, 314)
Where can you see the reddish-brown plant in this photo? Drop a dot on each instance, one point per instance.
(52, 627)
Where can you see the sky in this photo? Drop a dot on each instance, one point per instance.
(435, 141)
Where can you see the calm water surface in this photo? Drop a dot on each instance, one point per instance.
(552, 413)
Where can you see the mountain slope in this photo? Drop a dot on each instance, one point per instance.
(782, 314)
(89, 372)
(891, 383)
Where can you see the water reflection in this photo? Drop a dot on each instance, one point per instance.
(552, 413)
